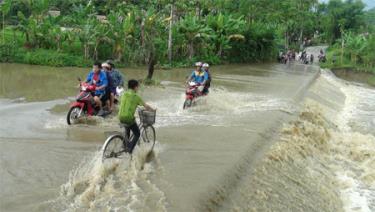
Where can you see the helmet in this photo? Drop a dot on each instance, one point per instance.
(205, 65)
(110, 62)
(105, 65)
(198, 64)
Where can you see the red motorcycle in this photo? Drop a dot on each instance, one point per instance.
(84, 104)
(193, 91)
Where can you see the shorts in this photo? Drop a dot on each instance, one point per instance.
(102, 97)
(113, 90)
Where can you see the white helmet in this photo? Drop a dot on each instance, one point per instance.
(205, 65)
(198, 64)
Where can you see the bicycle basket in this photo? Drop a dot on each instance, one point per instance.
(147, 117)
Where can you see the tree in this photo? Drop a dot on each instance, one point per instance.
(5, 8)
(194, 31)
(225, 28)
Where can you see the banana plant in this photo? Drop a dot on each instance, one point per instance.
(5, 8)
(225, 28)
(193, 31)
(354, 45)
(121, 30)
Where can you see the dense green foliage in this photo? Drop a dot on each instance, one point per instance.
(352, 34)
(174, 33)
(356, 52)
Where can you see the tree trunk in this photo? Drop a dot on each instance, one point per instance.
(286, 40)
(220, 51)
(170, 36)
(191, 50)
(198, 11)
(151, 65)
(3, 27)
(143, 39)
(143, 33)
(85, 50)
(342, 50)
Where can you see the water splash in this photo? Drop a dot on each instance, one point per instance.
(115, 185)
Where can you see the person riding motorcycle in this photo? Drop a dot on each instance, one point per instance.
(322, 56)
(206, 68)
(98, 78)
(198, 75)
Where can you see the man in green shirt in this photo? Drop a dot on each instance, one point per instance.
(128, 105)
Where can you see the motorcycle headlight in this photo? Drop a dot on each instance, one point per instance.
(84, 88)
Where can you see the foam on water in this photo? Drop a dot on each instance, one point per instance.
(320, 162)
(215, 108)
(115, 185)
(355, 143)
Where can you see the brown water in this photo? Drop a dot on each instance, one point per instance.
(353, 76)
(233, 152)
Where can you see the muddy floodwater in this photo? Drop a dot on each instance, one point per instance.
(268, 137)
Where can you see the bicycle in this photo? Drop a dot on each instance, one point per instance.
(116, 144)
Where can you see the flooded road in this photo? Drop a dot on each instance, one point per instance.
(247, 146)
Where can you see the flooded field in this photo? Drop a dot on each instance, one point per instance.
(268, 137)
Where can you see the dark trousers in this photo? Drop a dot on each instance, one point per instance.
(136, 134)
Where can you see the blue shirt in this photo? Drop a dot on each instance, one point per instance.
(102, 81)
(199, 77)
(118, 79)
(110, 82)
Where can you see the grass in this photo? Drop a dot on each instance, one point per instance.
(334, 61)
(12, 50)
(371, 81)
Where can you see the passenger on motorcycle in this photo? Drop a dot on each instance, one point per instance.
(98, 78)
(206, 68)
(198, 76)
(117, 79)
(128, 105)
(109, 88)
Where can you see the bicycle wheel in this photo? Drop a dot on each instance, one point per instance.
(113, 147)
(149, 135)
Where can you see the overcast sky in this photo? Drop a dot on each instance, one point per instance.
(370, 3)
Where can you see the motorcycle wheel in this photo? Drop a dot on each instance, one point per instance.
(187, 103)
(72, 116)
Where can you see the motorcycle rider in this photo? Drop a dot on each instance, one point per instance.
(322, 56)
(206, 68)
(198, 76)
(99, 78)
(128, 105)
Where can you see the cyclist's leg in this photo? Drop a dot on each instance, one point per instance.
(127, 135)
(136, 134)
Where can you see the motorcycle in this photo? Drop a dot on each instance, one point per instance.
(322, 58)
(193, 91)
(85, 104)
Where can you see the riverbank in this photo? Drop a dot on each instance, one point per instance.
(354, 53)
(355, 76)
